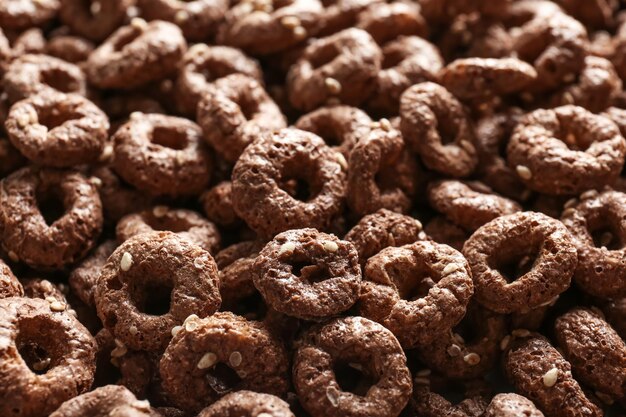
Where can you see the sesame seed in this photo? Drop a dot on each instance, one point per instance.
(286, 247)
(133, 330)
(199, 262)
(467, 145)
(568, 212)
(570, 203)
(191, 323)
(95, 8)
(418, 224)
(23, 120)
(504, 343)
(57, 306)
(589, 194)
(235, 359)
(524, 172)
(568, 98)
(42, 364)
(330, 246)
(299, 32)
(139, 23)
(375, 125)
(264, 415)
(333, 86)
(207, 360)
(520, 333)
(106, 154)
(332, 395)
(290, 22)
(160, 211)
(422, 381)
(97, 182)
(422, 236)
(181, 16)
(118, 352)
(385, 125)
(472, 358)
(341, 160)
(176, 330)
(454, 350)
(51, 299)
(126, 261)
(550, 377)
(450, 268)
(459, 339)
(356, 366)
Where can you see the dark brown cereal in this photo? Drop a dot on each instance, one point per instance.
(22, 14)
(44, 289)
(69, 228)
(9, 284)
(615, 311)
(340, 14)
(511, 405)
(342, 66)
(208, 358)
(418, 291)
(566, 150)
(31, 41)
(427, 401)
(593, 13)
(540, 373)
(70, 48)
(435, 125)
(236, 266)
(110, 400)
(94, 20)
(531, 320)
(520, 261)
(247, 404)
(618, 116)
(202, 65)
(595, 350)
(234, 111)
(48, 356)
(136, 54)
(387, 21)
(151, 283)
(57, 130)
(84, 277)
(442, 230)
(162, 155)
(186, 223)
(218, 205)
(308, 274)
(288, 159)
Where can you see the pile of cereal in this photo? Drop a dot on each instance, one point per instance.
(312, 208)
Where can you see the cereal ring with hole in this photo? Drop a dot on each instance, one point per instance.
(33, 74)
(248, 404)
(162, 155)
(293, 160)
(9, 284)
(234, 111)
(218, 207)
(211, 357)
(84, 277)
(72, 49)
(262, 28)
(202, 65)
(94, 20)
(598, 226)
(520, 261)
(151, 283)
(351, 345)
(444, 231)
(185, 223)
(431, 393)
(50, 218)
(418, 291)
(595, 350)
(342, 66)
(341, 127)
(511, 405)
(57, 130)
(136, 54)
(22, 14)
(539, 372)
(340, 14)
(435, 125)
(388, 21)
(382, 174)
(48, 356)
(468, 205)
(566, 150)
(308, 274)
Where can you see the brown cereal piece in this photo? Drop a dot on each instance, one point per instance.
(136, 54)
(566, 150)
(595, 350)
(511, 405)
(597, 225)
(187, 224)
(615, 311)
(262, 28)
(340, 126)
(48, 356)
(236, 266)
(369, 349)
(407, 60)
(208, 358)
(94, 20)
(296, 160)
(202, 65)
(110, 400)
(308, 274)
(342, 66)
(10, 158)
(435, 125)
(418, 291)
(596, 14)
(162, 155)
(234, 111)
(9, 284)
(33, 74)
(217, 203)
(484, 78)
(388, 21)
(618, 55)
(427, 399)
(444, 231)
(340, 14)
(520, 261)
(22, 14)
(618, 116)
(31, 41)
(247, 404)
(44, 289)
(198, 20)
(540, 373)
(72, 49)
(57, 130)
(50, 218)
(468, 205)
(382, 229)
(531, 320)
(84, 277)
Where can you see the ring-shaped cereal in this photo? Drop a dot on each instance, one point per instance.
(51, 242)
(388, 21)
(511, 405)
(532, 245)
(48, 357)
(136, 54)
(428, 398)
(234, 111)
(162, 155)
(366, 345)
(340, 14)
(72, 49)
(10, 286)
(94, 20)
(247, 404)
(566, 150)
(109, 400)
(284, 159)
(435, 125)
(418, 291)
(151, 283)
(22, 14)
(342, 66)
(217, 203)
(57, 130)
(308, 274)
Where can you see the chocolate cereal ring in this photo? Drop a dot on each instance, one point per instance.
(427, 399)
(388, 21)
(247, 404)
(308, 274)
(367, 347)
(9, 284)
(511, 405)
(442, 230)
(72, 49)
(218, 205)
(418, 291)
(110, 400)
(22, 14)
(151, 283)
(48, 356)
(84, 277)
(94, 20)
(520, 261)
(340, 14)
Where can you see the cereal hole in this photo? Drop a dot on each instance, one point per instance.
(34, 345)
(152, 298)
(169, 138)
(50, 205)
(513, 264)
(252, 307)
(59, 80)
(222, 378)
(310, 273)
(298, 188)
(249, 108)
(606, 235)
(353, 377)
(447, 129)
(52, 118)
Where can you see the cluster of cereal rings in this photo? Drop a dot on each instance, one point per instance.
(312, 208)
